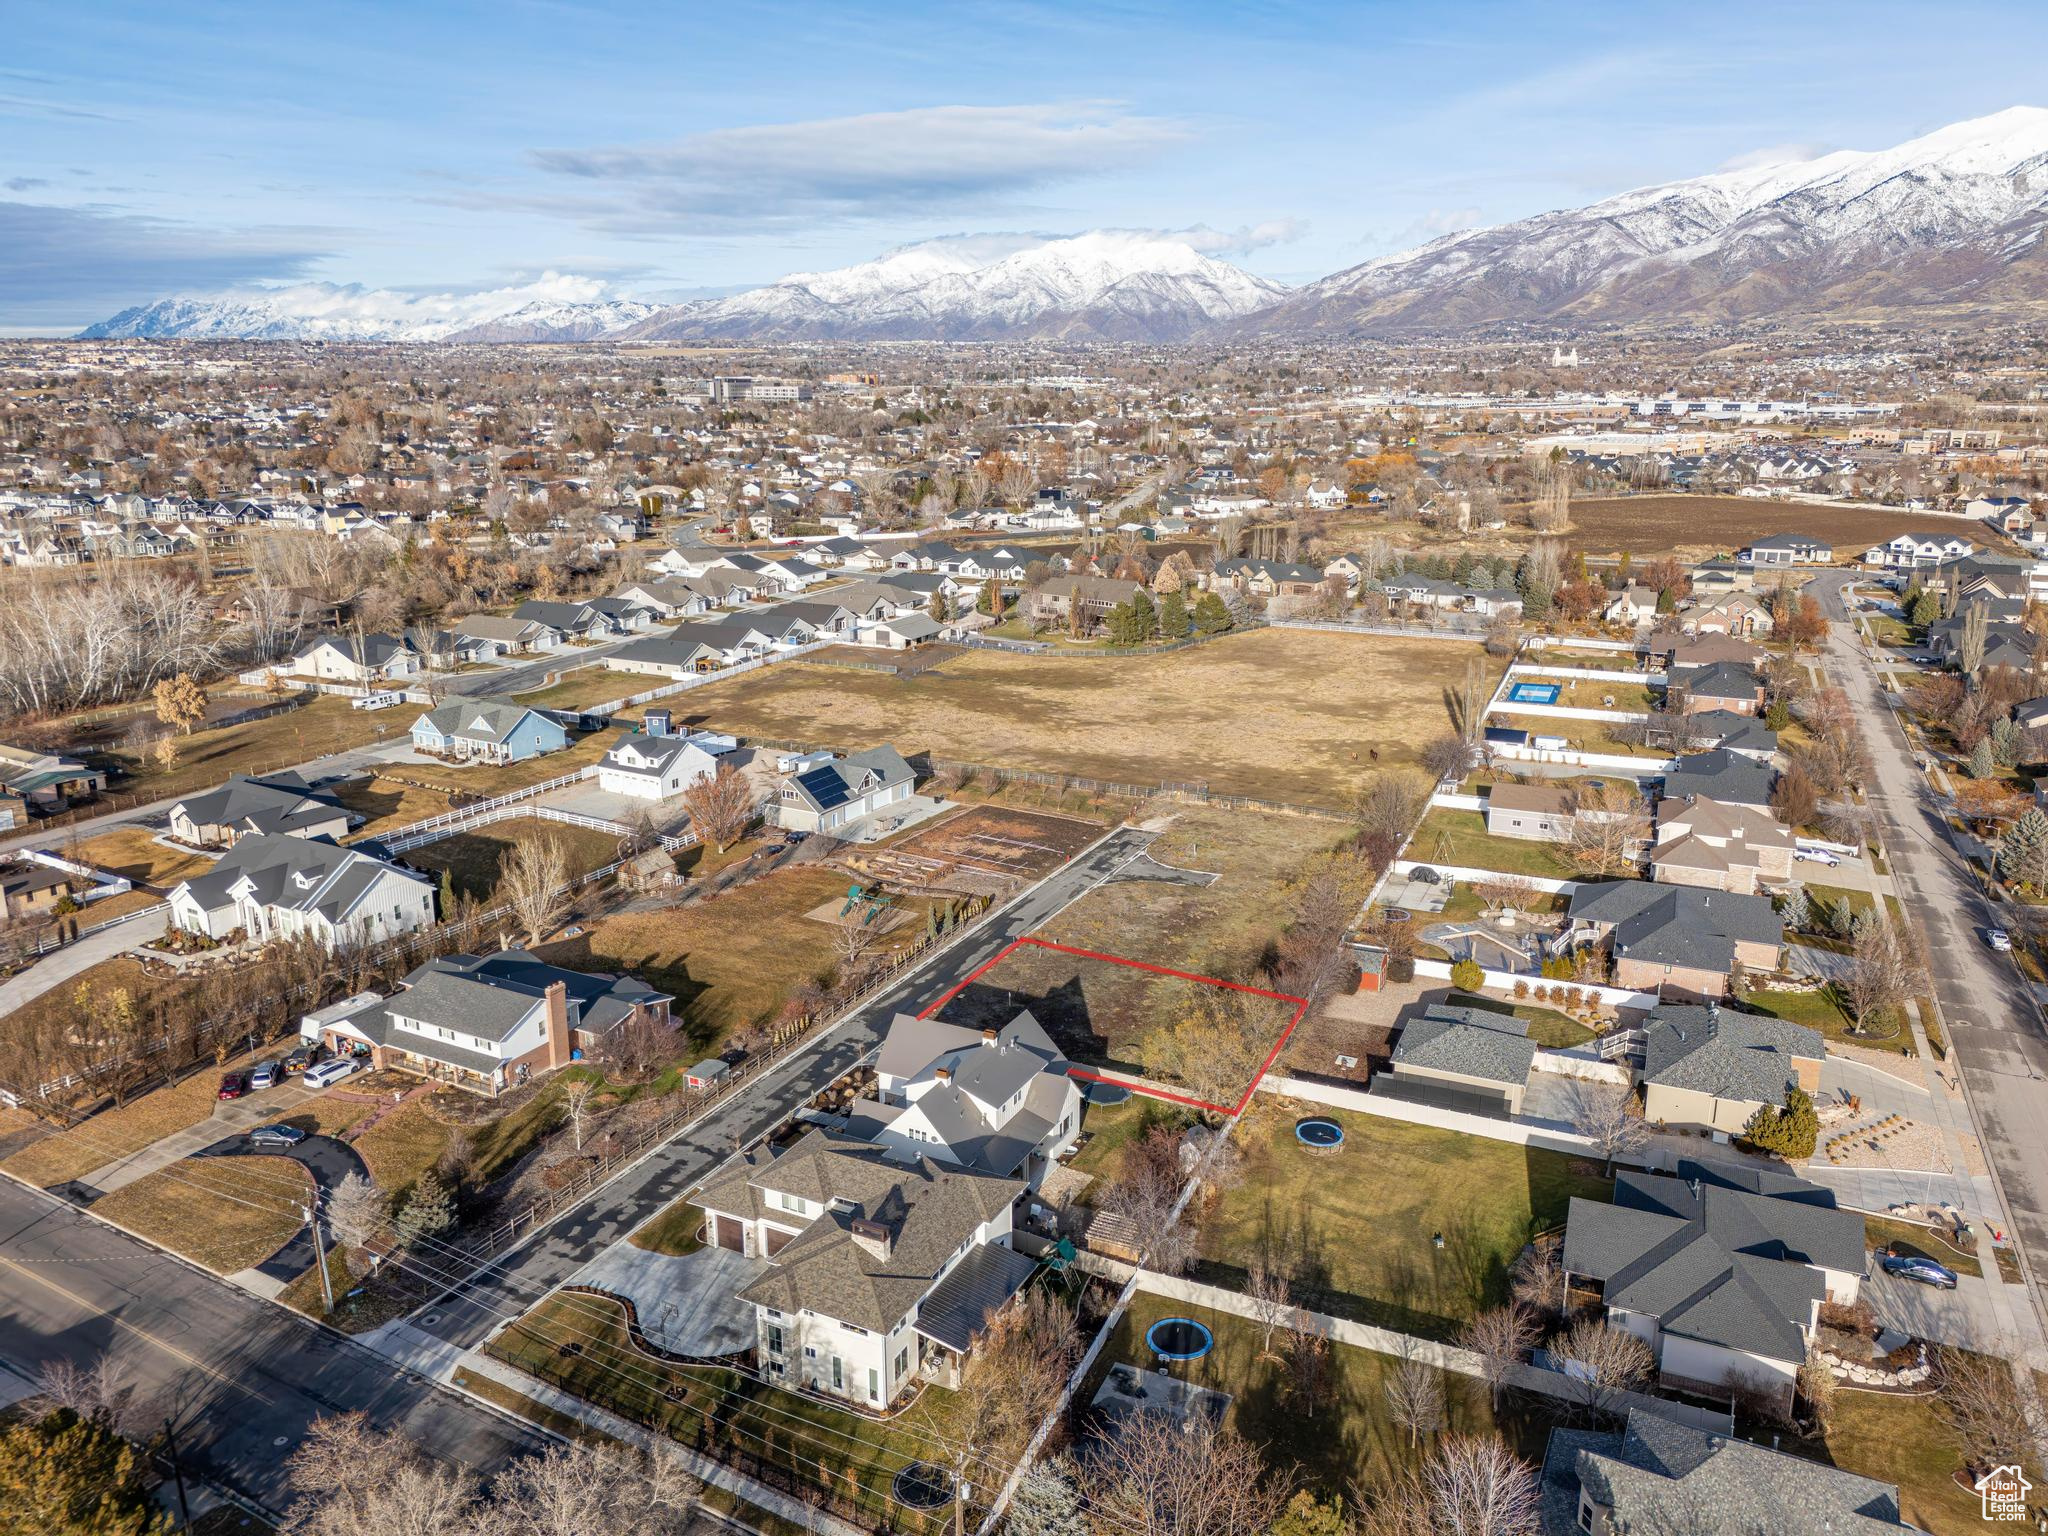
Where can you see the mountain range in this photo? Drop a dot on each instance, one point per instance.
(1946, 226)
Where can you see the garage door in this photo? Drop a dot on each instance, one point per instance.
(776, 1240)
(729, 1233)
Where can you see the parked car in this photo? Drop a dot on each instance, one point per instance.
(1817, 856)
(1999, 940)
(233, 1085)
(1921, 1270)
(329, 1072)
(263, 1077)
(302, 1058)
(276, 1136)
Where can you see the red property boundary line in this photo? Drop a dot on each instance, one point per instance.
(1300, 1008)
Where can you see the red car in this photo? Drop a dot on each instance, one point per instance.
(234, 1085)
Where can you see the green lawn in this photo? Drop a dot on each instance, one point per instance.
(584, 686)
(1111, 1128)
(674, 1231)
(1823, 1009)
(1460, 837)
(1901, 1440)
(1349, 1437)
(1592, 693)
(1912, 1239)
(1362, 1218)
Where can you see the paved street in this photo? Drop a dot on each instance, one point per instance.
(241, 1378)
(577, 1237)
(1994, 1025)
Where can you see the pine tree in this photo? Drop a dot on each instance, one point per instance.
(1144, 617)
(2006, 741)
(1211, 616)
(1797, 912)
(1983, 759)
(429, 1212)
(2022, 851)
(63, 1475)
(1047, 1502)
(447, 895)
(1173, 617)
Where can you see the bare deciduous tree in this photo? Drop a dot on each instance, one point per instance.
(1603, 1117)
(1605, 829)
(1267, 1293)
(1602, 1363)
(1146, 1192)
(576, 1105)
(1979, 1397)
(1414, 1391)
(1156, 1478)
(1501, 1337)
(721, 807)
(533, 882)
(579, 1488)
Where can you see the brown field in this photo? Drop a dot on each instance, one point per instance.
(1702, 525)
(225, 1213)
(260, 746)
(1274, 714)
(134, 853)
(387, 804)
(476, 860)
(999, 841)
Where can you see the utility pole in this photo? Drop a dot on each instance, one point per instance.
(177, 1474)
(320, 1259)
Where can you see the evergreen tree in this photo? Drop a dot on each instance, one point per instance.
(2022, 851)
(1211, 616)
(1924, 610)
(1791, 1132)
(1983, 759)
(447, 895)
(1144, 617)
(429, 1211)
(1173, 617)
(1797, 912)
(2006, 742)
(1306, 1515)
(63, 1475)
(1047, 1502)
(985, 601)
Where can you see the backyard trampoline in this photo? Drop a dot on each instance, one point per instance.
(1106, 1093)
(922, 1486)
(1178, 1338)
(1323, 1135)
(1533, 693)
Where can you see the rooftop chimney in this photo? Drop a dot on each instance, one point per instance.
(871, 1236)
(942, 1074)
(989, 1037)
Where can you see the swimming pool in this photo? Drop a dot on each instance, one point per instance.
(1533, 693)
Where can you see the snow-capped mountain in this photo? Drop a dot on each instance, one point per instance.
(1117, 285)
(1949, 222)
(554, 308)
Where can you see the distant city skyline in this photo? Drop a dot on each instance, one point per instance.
(670, 151)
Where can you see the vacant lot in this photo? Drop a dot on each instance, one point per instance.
(487, 779)
(1224, 929)
(1355, 1227)
(579, 689)
(1277, 714)
(205, 758)
(388, 804)
(1655, 525)
(985, 847)
(730, 960)
(476, 860)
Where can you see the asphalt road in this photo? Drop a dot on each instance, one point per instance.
(327, 1161)
(241, 1378)
(1995, 1028)
(468, 1315)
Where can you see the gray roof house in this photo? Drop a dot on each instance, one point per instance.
(1674, 937)
(1723, 1282)
(829, 797)
(996, 1100)
(1659, 1475)
(280, 803)
(1743, 735)
(1724, 775)
(486, 1023)
(487, 731)
(1711, 1068)
(272, 886)
(1453, 1054)
(879, 1267)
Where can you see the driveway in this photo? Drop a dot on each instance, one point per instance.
(228, 1120)
(327, 1160)
(1964, 1317)
(61, 965)
(688, 1303)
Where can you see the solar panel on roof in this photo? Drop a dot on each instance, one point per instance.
(825, 786)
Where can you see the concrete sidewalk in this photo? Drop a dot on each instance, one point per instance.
(73, 960)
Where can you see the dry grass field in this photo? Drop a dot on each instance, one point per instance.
(476, 860)
(225, 1213)
(132, 852)
(1277, 714)
(1703, 525)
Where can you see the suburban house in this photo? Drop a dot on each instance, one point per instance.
(900, 634)
(1728, 685)
(1706, 1068)
(509, 637)
(1681, 654)
(1534, 812)
(281, 804)
(1632, 605)
(1472, 1057)
(880, 1270)
(1722, 1275)
(485, 730)
(485, 1023)
(828, 797)
(1787, 549)
(1657, 1474)
(1056, 600)
(684, 650)
(577, 621)
(1265, 578)
(270, 886)
(361, 659)
(1723, 847)
(1723, 774)
(47, 780)
(995, 1100)
(1916, 551)
(668, 599)
(1743, 735)
(653, 764)
(1673, 938)
(31, 889)
(1739, 614)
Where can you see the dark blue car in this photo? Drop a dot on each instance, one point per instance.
(1925, 1271)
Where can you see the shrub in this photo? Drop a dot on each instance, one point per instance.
(1467, 976)
(1521, 988)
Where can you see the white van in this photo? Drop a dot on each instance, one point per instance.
(328, 1073)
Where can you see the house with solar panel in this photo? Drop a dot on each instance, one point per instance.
(830, 797)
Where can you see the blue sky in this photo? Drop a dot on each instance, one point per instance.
(152, 149)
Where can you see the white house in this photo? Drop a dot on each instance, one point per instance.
(654, 766)
(882, 1269)
(1000, 1101)
(357, 659)
(831, 796)
(273, 886)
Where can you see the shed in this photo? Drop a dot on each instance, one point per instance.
(709, 1074)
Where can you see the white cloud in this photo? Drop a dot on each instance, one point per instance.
(874, 165)
(1243, 240)
(1772, 154)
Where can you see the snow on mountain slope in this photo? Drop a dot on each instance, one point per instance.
(554, 308)
(1951, 219)
(1107, 284)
